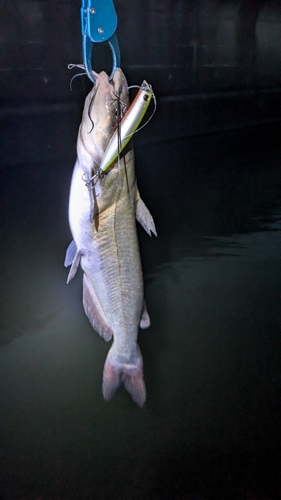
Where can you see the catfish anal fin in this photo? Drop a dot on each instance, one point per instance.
(145, 319)
(94, 312)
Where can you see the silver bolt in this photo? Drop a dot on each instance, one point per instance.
(100, 30)
(92, 10)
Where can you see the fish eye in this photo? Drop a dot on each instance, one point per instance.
(145, 97)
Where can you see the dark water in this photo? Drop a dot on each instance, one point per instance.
(211, 425)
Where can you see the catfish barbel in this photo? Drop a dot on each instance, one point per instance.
(103, 208)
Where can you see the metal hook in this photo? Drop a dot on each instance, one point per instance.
(98, 24)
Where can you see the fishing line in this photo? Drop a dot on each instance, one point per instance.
(124, 107)
(81, 66)
(71, 66)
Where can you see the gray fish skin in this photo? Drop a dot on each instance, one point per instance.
(103, 225)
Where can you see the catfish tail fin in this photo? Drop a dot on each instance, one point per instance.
(130, 374)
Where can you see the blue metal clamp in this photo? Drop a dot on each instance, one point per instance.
(98, 24)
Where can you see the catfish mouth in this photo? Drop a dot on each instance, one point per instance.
(120, 93)
(115, 93)
(119, 82)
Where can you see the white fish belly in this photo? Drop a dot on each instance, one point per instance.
(110, 253)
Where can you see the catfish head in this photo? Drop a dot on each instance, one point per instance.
(103, 109)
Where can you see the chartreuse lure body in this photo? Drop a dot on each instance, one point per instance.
(128, 125)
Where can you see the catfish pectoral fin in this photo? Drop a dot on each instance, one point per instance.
(94, 312)
(72, 257)
(145, 319)
(70, 253)
(144, 217)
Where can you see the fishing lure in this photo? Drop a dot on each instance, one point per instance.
(128, 125)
